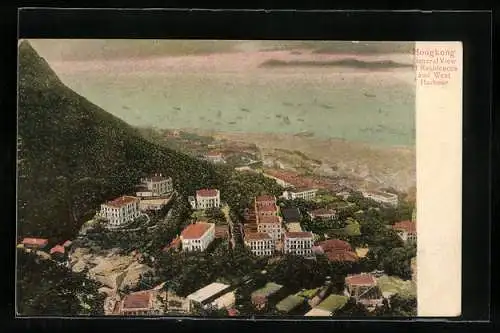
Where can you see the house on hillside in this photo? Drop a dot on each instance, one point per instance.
(337, 250)
(120, 211)
(364, 289)
(215, 295)
(34, 243)
(322, 213)
(197, 236)
(142, 303)
(298, 243)
(270, 294)
(155, 186)
(382, 197)
(303, 193)
(270, 225)
(214, 157)
(205, 199)
(260, 243)
(406, 230)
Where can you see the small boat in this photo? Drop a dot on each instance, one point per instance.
(176, 108)
(305, 134)
(369, 95)
(245, 110)
(326, 106)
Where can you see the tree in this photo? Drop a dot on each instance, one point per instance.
(398, 262)
(352, 309)
(45, 288)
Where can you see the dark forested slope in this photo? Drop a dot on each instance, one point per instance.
(73, 155)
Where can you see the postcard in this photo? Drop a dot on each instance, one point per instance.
(239, 179)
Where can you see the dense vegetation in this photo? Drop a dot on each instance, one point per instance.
(45, 288)
(74, 155)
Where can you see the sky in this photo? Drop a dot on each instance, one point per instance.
(109, 49)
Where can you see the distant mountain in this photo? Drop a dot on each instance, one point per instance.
(73, 155)
(351, 63)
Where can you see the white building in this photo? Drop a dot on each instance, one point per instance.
(197, 236)
(209, 294)
(304, 194)
(382, 197)
(271, 225)
(156, 185)
(214, 157)
(206, 198)
(298, 243)
(406, 230)
(278, 180)
(120, 211)
(260, 243)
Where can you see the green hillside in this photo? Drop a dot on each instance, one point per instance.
(73, 155)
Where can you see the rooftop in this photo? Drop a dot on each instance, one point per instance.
(157, 178)
(196, 230)
(269, 219)
(342, 256)
(332, 303)
(264, 198)
(386, 195)
(207, 192)
(289, 303)
(334, 245)
(208, 291)
(303, 234)
(269, 289)
(122, 201)
(316, 312)
(67, 243)
(257, 236)
(266, 208)
(35, 241)
(57, 249)
(408, 226)
(291, 214)
(363, 279)
(137, 300)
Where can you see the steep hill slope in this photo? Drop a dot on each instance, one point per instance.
(73, 155)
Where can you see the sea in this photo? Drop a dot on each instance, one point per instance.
(349, 104)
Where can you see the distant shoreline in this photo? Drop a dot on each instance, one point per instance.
(347, 62)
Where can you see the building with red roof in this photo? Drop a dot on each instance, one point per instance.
(298, 243)
(197, 236)
(155, 185)
(260, 243)
(205, 199)
(338, 250)
(271, 225)
(58, 249)
(120, 211)
(141, 303)
(214, 157)
(406, 230)
(35, 243)
(364, 289)
(67, 244)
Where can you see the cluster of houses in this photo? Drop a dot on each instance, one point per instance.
(152, 194)
(316, 302)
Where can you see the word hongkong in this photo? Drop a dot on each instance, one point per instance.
(435, 53)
